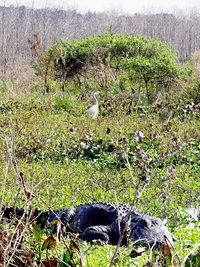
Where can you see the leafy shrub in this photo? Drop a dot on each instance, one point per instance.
(63, 103)
(140, 59)
(2, 89)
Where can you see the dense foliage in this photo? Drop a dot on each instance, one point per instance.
(134, 152)
(113, 61)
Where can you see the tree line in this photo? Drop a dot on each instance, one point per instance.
(24, 31)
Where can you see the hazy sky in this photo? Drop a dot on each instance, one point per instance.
(126, 6)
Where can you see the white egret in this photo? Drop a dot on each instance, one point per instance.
(94, 110)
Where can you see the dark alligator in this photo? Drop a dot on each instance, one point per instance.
(109, 222)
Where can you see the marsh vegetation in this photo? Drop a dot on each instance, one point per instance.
(142, 149)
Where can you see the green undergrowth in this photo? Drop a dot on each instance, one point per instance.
(142, 149)
(67, 159)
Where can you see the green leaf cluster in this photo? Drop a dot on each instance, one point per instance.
(141, 59)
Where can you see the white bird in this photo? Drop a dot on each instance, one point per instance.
(94, 110)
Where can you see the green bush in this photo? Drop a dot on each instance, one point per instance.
(63, 103)
(111, 60)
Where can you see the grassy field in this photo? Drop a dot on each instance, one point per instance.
(144, 158)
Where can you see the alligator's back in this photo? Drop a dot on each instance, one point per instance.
(97, 213)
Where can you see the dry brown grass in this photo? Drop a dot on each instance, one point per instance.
(196, 61)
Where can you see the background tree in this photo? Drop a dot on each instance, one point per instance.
(108, 61)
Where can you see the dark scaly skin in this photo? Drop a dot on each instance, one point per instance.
(108, 222)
